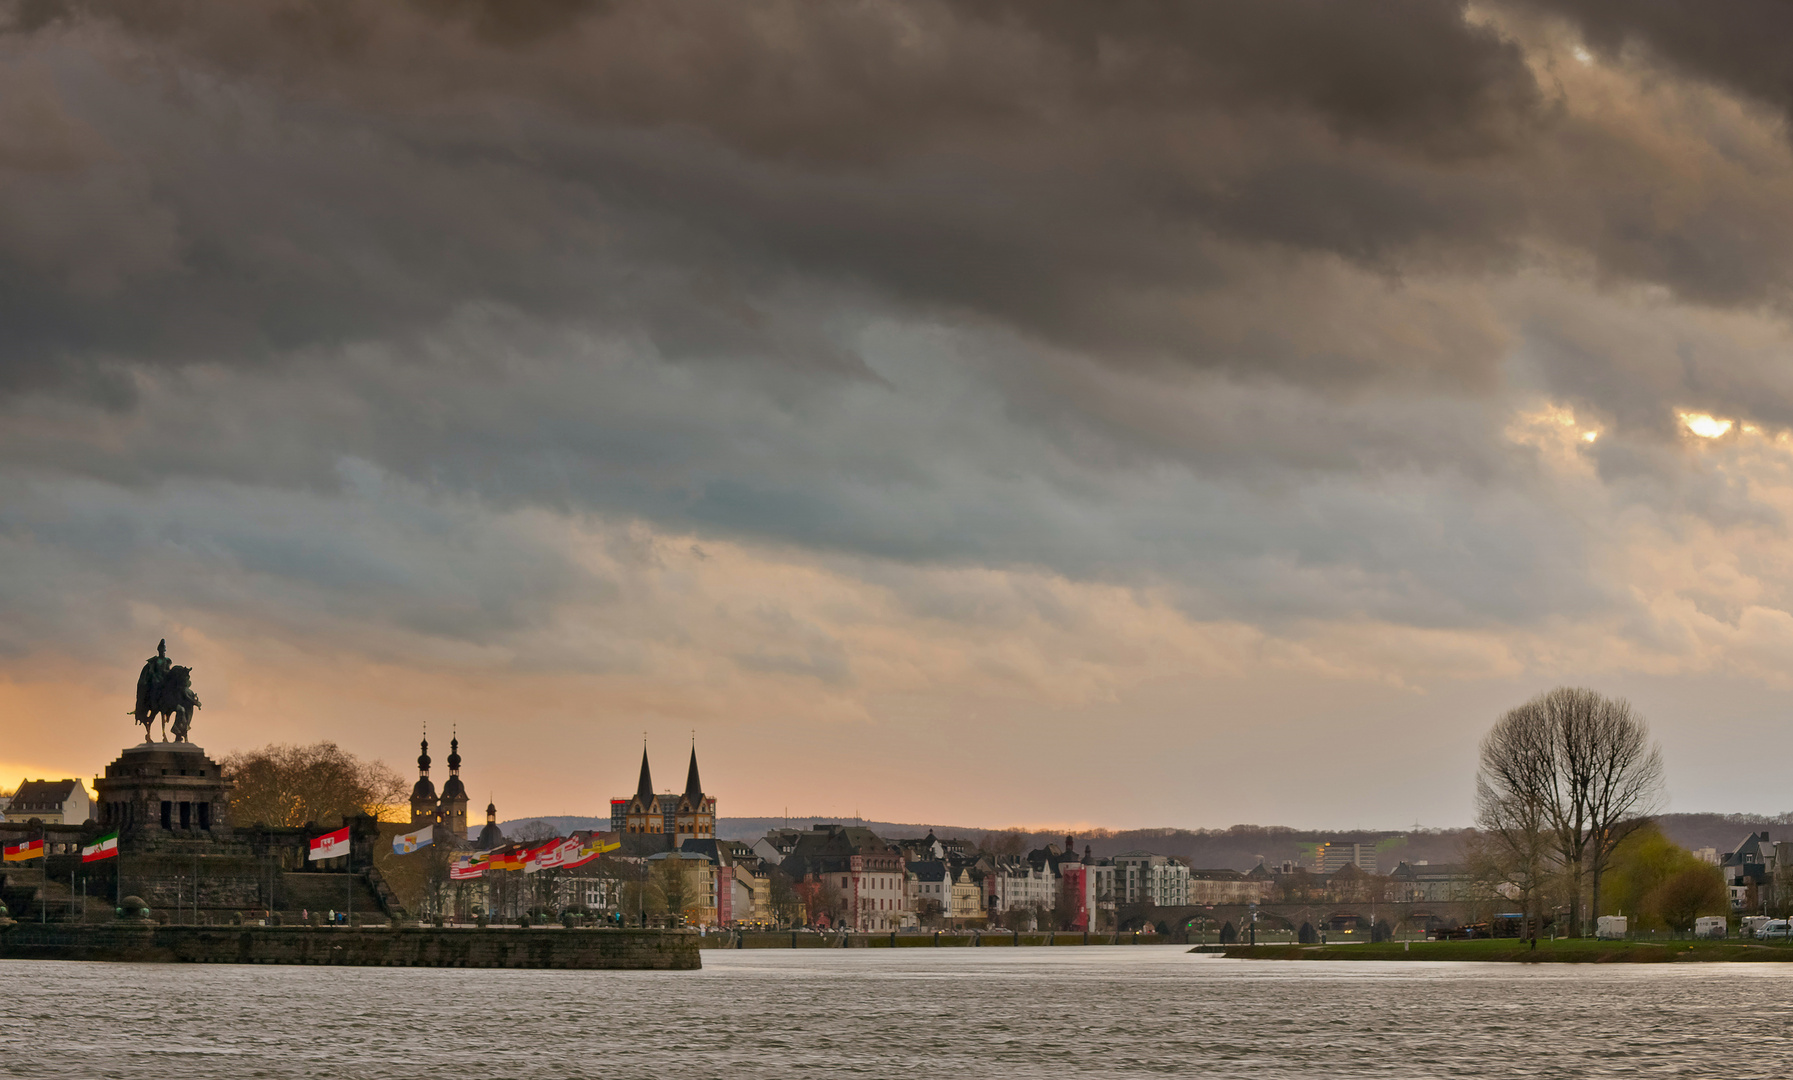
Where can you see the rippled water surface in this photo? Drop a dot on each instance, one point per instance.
(948, 1012)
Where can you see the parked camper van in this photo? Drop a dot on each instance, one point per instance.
(1749, 924)
(1775, 929)
(1611, 926)
(1710, 926)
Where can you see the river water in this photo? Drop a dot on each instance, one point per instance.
(937, 1012)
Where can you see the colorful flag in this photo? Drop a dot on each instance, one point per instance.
(506, 859)
(532, 859)
(330, 845)
(553, 854)
(586, 852)
(406, 843)
(30, 849)
(106, 847)
(467, 868)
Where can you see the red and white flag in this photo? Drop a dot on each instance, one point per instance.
(330, 845)
(543, 857)
(562, 853)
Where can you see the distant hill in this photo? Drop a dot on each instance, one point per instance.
(555, 826)
(1237, 848)
(1722, 832)
(752, 828)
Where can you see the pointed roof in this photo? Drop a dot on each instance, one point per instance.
(694, 792)
(644, 789)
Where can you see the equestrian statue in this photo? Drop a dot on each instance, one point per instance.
(165, 690)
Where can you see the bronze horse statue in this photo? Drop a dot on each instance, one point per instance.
(171, 697)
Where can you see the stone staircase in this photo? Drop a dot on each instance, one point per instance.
(30, 897)
(328, 892)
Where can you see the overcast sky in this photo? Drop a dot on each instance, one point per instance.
(989, 413)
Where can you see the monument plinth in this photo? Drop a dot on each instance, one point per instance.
(166, 788)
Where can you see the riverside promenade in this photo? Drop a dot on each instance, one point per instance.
(944, 939)
(1663, 950)
(410, 946)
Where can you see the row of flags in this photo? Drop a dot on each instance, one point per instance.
(560, 853)
(106, 847)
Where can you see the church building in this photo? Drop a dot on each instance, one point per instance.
(689, 816)
(448, 812)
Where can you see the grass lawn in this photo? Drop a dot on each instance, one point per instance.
(1578, 951)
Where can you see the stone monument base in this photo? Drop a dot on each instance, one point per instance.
(163, 789)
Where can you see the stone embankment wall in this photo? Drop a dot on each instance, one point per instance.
(986, 939)
(593, 949)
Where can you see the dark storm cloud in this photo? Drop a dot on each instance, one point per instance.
(1210, 293)
(1746, 45)
(314, 173)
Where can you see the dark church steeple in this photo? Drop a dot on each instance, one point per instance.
(696, 811)
(644, 789)
(694, 790)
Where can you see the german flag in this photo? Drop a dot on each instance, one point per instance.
(30, 849)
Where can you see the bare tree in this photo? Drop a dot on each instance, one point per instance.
(827, 899)
(930, 913)
(1006, 842)
(531, 832)
(292, 785)
(1623, 779)
(1577, 767)
(785, 904)
(1512, 792)
(674, 885)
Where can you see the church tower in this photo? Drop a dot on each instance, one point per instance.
(696, 811)
(452, 810)
(423, 793)
(491, 836)
(645, 815)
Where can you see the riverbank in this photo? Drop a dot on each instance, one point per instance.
(413, 946)
(945, 939)
(1509, 950)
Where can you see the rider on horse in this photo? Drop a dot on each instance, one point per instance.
(155, 672)
(165, 690)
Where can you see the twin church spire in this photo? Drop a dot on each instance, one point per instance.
(690, 816)
(449, 810)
